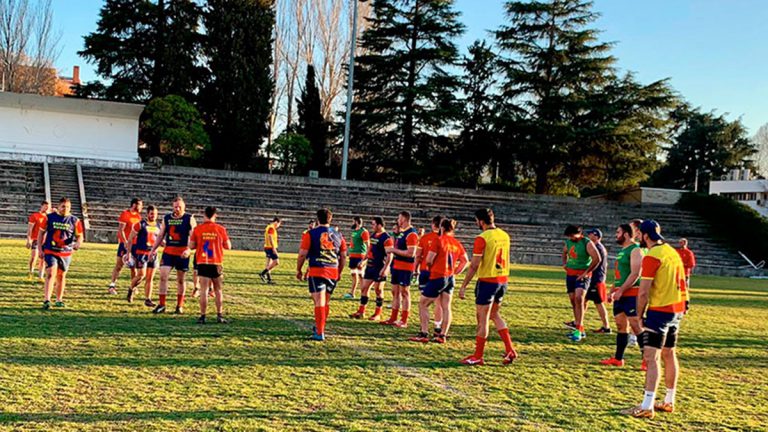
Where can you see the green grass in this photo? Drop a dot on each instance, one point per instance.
(103, 364)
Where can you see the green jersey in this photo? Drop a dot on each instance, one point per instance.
(359, 248)
(578, 257)
(624, 265)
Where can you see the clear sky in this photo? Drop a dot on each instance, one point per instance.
(714, 51)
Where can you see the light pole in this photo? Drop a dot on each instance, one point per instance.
(350, 78)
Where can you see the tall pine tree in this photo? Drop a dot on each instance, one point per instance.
(404, 90)
(312, 124)
(565, 110)
(236, 99)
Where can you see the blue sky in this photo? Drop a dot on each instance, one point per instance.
(714, 51)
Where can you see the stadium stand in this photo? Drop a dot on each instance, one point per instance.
(248, 201)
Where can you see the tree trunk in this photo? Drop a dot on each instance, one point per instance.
(409, 141)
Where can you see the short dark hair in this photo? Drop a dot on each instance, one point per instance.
(437, 220)
(572, 230)
(178, 198)
(276, 219)
(324, 216)
(136, 201)
(627, 228)
(635, 222)
(45, 202)
(311, 221)
(406, 214)
(378, 220)
(150, 208)
(358, 219)
(485, 215)
(448, 225)
(211, 211)
(64, 200)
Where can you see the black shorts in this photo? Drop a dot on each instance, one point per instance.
(374, 274)
(489, 292)
(319, 284)
(596, 292)
(210, 271)
(174, 261)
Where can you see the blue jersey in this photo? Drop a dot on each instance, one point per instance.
(145, 236)
(177, 232)
(598, 274)
(60, 233)
(377, 253)
(324, 246)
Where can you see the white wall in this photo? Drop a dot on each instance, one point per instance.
(71, 128)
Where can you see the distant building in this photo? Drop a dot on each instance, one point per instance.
(740, 186)
(65, 86)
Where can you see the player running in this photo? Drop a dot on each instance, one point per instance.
(403, 266)
(142, 238)
(176, 230)
(209, 240)
(63, 234)
(128, 218)
(425, 244)
(580, 258)
(490, 262)
(446, 258)
(597, 290)
(37, 222)
(270, 250)
(325, 249)
(624, 292)
(662, 299)
(377, 268)
(361, 241)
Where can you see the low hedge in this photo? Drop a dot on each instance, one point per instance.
(732, 222)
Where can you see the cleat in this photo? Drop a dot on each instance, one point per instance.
(271, 282)
(221, 320)
(159, 309)
(612, 362)
(348, 296)
(400, 324)
(59, 304)
(604, 330)
(632, 340)
(196, 292)
(131, 294)
(317, 337)
(112, 290)
(263, 277)
(665, 407)
(46, 305)
(201, 320)
(387, 322)
(472, 361)
(149, 303)
(178, 311)
(510, 357)
(570, 324)
(356, 315)
(638, 412)
(374, 317)
(439, 339)
(211, 294)
(421, 338)
(643, 366)
(577, 336)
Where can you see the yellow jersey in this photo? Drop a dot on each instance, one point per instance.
(493, 246)
(270, 237)
(662, 265)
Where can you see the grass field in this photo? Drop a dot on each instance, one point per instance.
(103, 364)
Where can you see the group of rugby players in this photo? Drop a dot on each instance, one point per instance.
(649, 296)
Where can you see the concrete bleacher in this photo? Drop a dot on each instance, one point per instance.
(22, 188)
(248, 201)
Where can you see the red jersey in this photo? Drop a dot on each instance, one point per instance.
(425, 243)
(39, 221)
(689, 260)
(209, 238)
(448, 250)
(129, 218)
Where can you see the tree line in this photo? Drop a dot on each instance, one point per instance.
(539, 106)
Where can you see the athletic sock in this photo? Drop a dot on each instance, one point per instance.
(670, 396)
(327, 310)
(648, 400)
(363, 302)
(622, 340)
(438, 324)
(319, 319)
(379, 304)
(404, 317)
(479, 347)
(162, 298)
(393, 315)
(180, 300)
(507, 339)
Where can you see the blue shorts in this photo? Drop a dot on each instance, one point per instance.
(489, 292)
(270, 253)
(373, 273)
(121, 250)
(572, 284)
(438, 286)
(626, 306)
(423, 279)
(61, 262)
(319, 284)
(354, 262)
(662, 322)
(175, 261)
(401, 277)
(142, 260)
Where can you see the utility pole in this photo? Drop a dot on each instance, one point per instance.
(350, 78)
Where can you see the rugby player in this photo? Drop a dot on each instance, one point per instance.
(377, 268)
(270, 250)
(446, 258)
(128, 218)
(636, 236)
(325, 249)
(624, 292)
(209, 240)
(142, 238)
(63, 234)
(403, 267)
(361, 241)
(689, 260)
(580, 258)
(490, 262)
(597, 290)
(37, 222)
(175, 232)
(425, 244)
(661, 299)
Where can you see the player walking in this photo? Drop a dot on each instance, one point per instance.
(37, 222)
(361, 241)
(425, 244)
(128, 218)
(209, 240)
(403, 266)
(377, 268)
(63, 234)
(142, 238)
(270, 250)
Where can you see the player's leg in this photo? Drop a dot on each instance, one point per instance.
(395, 302)
(424, 303)
(51, 272)
(671, 371)
(405, 305)
(181, 288)
(139, 272)
(205, 285)
(622, 336)
(379, 290)
(510, 354)
(117, 269)
(61, 283)
(148, 281)
(578, 312)
(165, 272)
(365, 289)
(218, 290)
(32, 258)
(446, 298)
(482, 314)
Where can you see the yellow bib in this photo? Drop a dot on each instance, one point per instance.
(495, 262)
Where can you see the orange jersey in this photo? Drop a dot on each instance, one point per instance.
(129, 218)
(448, 251)
(210, 238)
(425, 243)
(38, 221)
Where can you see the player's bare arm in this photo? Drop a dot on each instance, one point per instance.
(300, 263)
(592, 251)
(473, 266)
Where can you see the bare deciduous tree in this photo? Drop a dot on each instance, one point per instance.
(760, 141)
(28, 47)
